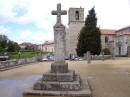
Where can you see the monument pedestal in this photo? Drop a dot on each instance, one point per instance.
(60, 81)
(84, 91)
(59, 67)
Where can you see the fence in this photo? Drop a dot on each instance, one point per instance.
(4, 65)
(100, 57)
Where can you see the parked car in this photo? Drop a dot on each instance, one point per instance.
(76, 58)
(45, 58)
(79, 58)
(48, 58)
(51, 58)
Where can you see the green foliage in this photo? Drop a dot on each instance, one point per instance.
(23, 55)
(106, 51)
(3, 43)
(2, 49)
(89, 37)
(7, 45)
(44, 53)
(29, 48)
(13, 47)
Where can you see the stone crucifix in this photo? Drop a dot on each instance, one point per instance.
(59, 64)
(59, 12)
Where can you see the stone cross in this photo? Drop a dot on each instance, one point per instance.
(59, 12)
(59, 38)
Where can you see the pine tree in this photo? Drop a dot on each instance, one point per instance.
(89, 36)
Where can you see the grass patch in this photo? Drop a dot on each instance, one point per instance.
(25, 54)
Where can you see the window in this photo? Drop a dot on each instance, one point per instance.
(77, 15)
(129, 29)
(106, 39)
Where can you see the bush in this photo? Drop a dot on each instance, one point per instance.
(106, 51)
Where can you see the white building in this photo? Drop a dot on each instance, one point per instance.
(47, 46)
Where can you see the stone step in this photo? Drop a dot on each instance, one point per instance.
(55, 85)
(61, 77)
(83, 92)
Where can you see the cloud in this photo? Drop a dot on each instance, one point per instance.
(111, 14)
(35, 37)
(6, 9)
(4, 30)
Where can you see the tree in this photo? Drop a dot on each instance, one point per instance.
(89, 36)
(8, 45)
(13, 46)
(3, 43)
(16, 46)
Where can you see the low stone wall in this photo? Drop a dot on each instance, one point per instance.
(101, 57)
(4, 65)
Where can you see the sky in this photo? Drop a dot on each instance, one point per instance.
(31, 20)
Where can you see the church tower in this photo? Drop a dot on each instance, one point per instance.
(75, 23)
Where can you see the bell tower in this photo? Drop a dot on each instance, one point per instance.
(75, 23)
(76, 15)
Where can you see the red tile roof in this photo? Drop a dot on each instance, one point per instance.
(123, 28)
(108, 31)
(26, 44)
(48, 42)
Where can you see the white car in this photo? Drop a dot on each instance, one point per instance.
(45, 59)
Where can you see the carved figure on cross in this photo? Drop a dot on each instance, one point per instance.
(59, 12)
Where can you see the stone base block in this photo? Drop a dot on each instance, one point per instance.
(61, 77)
(59, 67)
(55, 85)
(83, 92)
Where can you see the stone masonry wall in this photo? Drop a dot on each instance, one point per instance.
(74, 30)
(4, 65)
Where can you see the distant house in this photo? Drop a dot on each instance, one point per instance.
(47, 46)
(122, 41)
(117, 41)
(27, 45)
(107, 39)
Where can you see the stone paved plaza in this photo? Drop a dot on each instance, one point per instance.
(109, 78)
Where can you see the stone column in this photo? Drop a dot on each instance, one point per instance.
(59, 65)
(103, 56)
(88, 56)
(59, 40)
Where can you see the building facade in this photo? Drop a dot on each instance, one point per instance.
(107, 39)
(27, 46)
(122, 41)
(117, 41)
(75, 23)
(47, 46)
